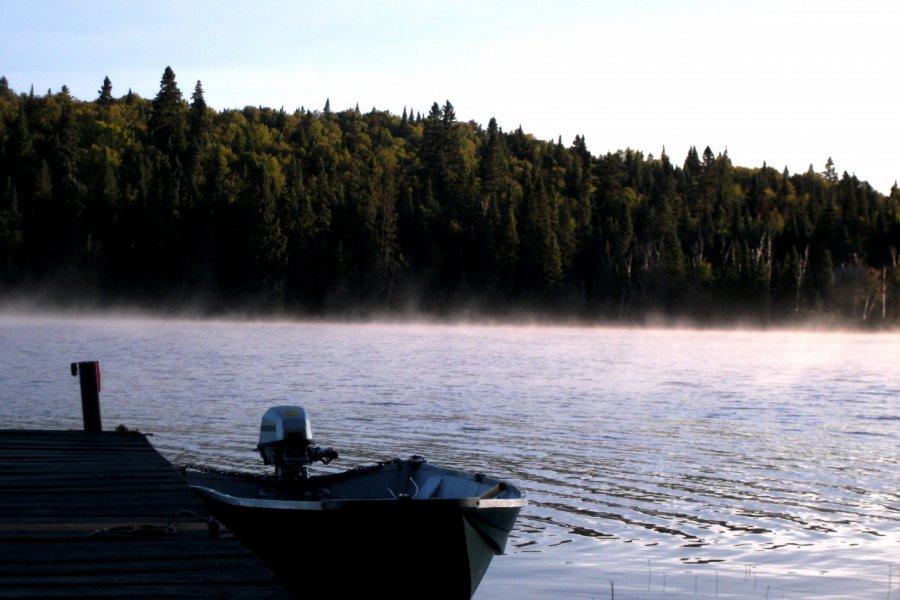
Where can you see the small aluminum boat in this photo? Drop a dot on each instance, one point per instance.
(403, 527)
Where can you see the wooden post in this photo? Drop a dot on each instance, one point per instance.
(89, 378)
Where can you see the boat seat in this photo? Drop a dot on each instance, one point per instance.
(430, 486)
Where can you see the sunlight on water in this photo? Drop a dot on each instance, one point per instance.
(658, 463)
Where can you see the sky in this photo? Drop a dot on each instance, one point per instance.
(785, 82)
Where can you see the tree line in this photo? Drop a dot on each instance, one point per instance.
(167, 202)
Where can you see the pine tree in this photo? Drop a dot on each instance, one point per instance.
(105, 97)
(448, 114)
(199, 119)
(494, 167)
(830, 174)
(167, 119)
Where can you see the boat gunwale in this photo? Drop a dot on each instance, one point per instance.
(350, 503)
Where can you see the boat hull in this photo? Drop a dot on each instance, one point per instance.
(389, 542)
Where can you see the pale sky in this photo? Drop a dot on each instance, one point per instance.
(788, 82)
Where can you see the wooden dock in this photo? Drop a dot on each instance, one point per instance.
(103, 515)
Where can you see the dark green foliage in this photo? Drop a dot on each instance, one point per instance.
(164, 201)
(199, 114)
(105, 97)
(168, 118)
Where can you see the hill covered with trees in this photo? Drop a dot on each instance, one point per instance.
(167, 202)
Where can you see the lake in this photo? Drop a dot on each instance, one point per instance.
(657, 463)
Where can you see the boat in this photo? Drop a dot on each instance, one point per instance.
(408, 528)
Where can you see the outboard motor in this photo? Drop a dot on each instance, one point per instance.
(286, 441)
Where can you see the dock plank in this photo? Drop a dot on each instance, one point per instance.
(58, 489)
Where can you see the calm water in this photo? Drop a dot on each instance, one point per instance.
(658, 464)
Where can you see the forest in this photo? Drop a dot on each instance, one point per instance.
(169, 204)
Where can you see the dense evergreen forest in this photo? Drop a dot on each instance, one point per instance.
(166, 202)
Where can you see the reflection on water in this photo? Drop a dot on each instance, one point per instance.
(657, 463)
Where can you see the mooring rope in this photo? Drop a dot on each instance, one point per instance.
(156, 531)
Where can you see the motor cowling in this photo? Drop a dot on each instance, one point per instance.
(286, 441)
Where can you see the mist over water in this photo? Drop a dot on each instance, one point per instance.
(657, 463)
